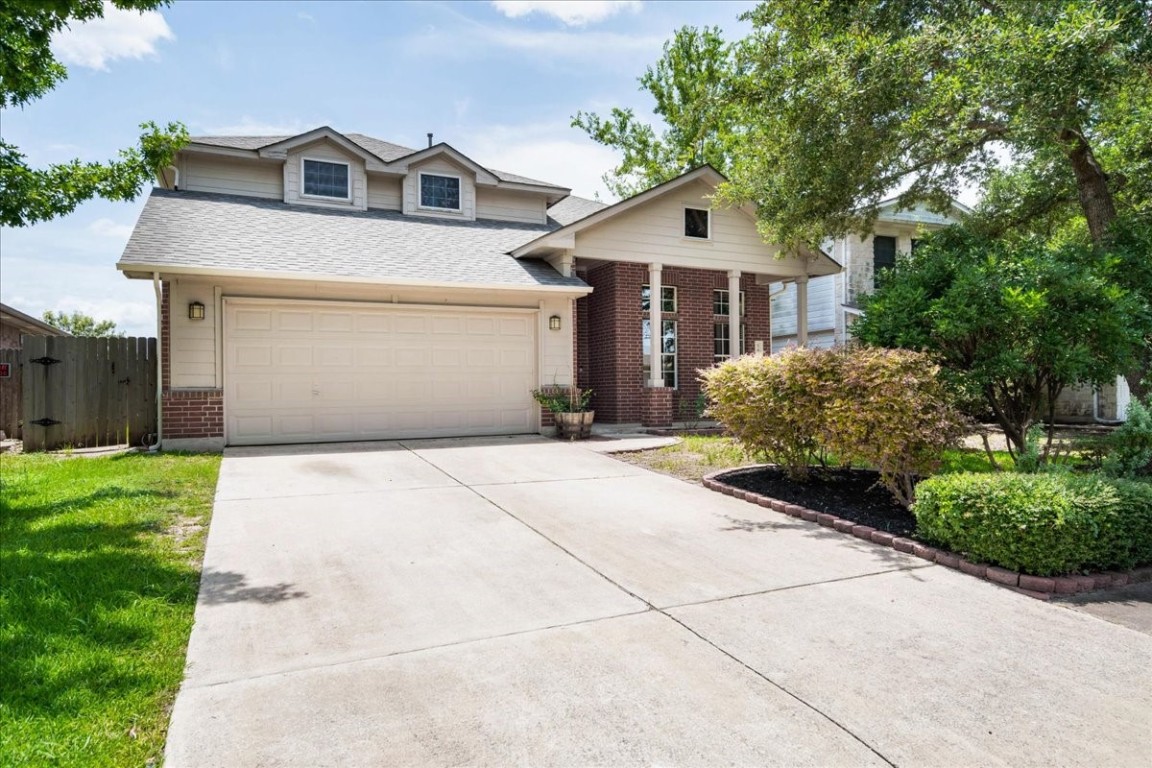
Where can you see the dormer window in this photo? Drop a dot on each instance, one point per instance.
(325, 179)
(440, 193)
(697, 224)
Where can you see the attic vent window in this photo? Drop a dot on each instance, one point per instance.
(441, 193)
(324, 179)
(696, 223)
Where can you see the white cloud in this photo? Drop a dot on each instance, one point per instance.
(109, 228)
(571, 12)
(135, 318)
(120, 34)
(253, 126)
(548, 151)
(306, 17)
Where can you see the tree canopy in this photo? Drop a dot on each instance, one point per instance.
(828, 108)
(29, 70)
(80, 324)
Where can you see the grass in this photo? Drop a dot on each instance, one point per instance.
(698, 455)
(99, 568)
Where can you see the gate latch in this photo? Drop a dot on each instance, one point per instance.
(45, 422)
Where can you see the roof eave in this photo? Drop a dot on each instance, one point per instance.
(142, 271)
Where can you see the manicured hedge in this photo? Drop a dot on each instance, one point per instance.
(1046, 524)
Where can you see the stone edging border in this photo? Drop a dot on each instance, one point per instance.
(1039, 587)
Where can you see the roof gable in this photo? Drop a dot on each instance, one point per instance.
(283, 147)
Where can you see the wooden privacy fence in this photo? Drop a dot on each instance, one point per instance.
(83, 392)
(10, 398)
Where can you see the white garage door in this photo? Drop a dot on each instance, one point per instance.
(301, 372)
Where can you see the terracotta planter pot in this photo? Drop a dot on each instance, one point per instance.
(574, 426)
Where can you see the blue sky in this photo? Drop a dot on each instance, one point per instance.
(500, 81)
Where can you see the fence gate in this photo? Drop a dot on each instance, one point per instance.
(84, 392)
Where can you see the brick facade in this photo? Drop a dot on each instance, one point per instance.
(656, 406)
(193, 413)
(608, 334)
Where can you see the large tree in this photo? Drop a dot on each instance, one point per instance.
(29, 70)
(1014, 319)
(832, 106)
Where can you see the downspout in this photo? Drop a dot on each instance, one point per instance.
(159, 361)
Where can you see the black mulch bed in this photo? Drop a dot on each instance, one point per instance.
(853, 494)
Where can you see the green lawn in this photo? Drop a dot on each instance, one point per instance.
(99, 567)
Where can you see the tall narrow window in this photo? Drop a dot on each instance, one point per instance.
(720, 302)
(883, 254)
(667, 298)
(722, 342)
(324, 179)
(667, 351)
(439, 192)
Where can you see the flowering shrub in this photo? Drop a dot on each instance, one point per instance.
(891, 411)
(885, 409)
(774, 406)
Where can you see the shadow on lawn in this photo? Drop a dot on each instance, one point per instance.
(83, 599)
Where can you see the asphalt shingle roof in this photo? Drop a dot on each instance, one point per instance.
(227, 232)
(574, 208)
(385, 150)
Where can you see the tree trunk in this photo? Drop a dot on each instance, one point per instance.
(1140, 379)
(1091, 185)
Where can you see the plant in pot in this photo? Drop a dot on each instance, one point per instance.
(569, 407)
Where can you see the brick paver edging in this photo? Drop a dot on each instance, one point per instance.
(1039, 587)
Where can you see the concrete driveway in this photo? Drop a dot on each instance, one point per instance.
(520, 601)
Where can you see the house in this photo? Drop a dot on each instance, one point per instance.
(329, 286)
(833, 299)
(833, 302)
(14, 324)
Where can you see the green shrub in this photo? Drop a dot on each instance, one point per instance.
(891, 411)
(1043, 524)
(775, 406)
(1130, 446)
(884, 409)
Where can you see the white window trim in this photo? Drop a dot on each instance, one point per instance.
(347, 198)
(743, 342)
(684, 225)
(674, 355)
(420, 192)
(675, 298)
(743, 303)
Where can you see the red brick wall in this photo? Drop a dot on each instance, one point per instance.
(656, 407)
(608, 341)
(193, 413)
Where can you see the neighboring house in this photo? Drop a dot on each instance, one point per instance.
(833, 301)
(328, 286)
(14, 324)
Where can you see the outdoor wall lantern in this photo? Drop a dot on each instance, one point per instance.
(195, 311)
(554, 323)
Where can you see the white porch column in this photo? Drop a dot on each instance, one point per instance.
(655, 307)
(802, 311)
(734, 349)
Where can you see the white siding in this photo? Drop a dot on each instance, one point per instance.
(194, 342)
(385, 192)
(821, 308)
(655, 233)
(193, 360)
(446, 168)
(231, 176)
(324, 150)
(507, 205)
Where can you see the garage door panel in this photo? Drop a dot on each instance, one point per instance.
(293, 321)
(310, 372)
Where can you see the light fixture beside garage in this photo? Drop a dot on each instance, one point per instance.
(196, 311)
(554, 323)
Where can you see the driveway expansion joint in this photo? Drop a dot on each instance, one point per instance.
(713, 645)
(410, 651)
